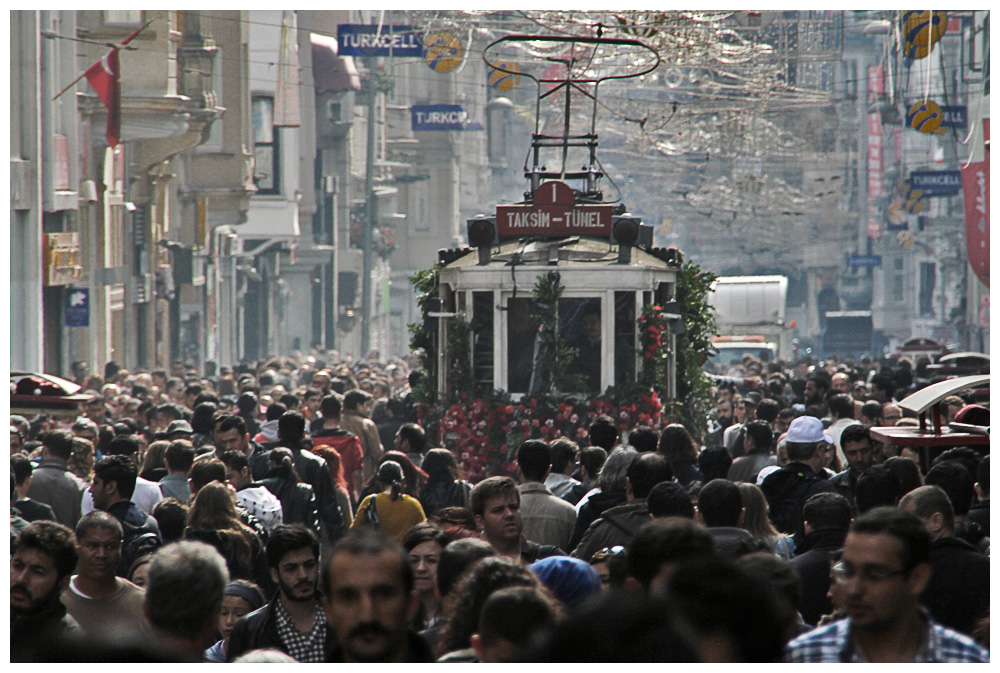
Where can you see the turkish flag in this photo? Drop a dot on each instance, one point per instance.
(104, 77)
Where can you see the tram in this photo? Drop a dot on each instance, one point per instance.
(592, 257)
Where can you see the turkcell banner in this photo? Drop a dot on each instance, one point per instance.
(956, 116)
(360, 39)
(937, 183)
(865, 261)
(441, 118)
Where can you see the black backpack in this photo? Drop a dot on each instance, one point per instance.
(137, 541)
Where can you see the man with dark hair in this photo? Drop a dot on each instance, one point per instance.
(178, 458)
(644, 439)
(229, 433)
(958, 593)
(883, 388)
(252, 496)
(496, 507)
(294, 621)
(788, 488)
(591, 461)
(53, 484)
(980, 512)
(145, 493)
(618, 525)
(907, 473)
(29, 510)
(603, 433)
(957, 483)
(346, 444)
(355, 418)
(714, 462)
(720, 509)
(815, 391)
(871, 411)
(369, 601)
(856, 445)
(411, 440)
(103, 604)
(876, 487)
(205, 472)
(563, 452)
(547, 519)
(827, 517)
(183, 599)
(659, 546)
(668, 498)
(882, 572)
(513, 622)
(757, 444)
(41, 565)
(112, 488)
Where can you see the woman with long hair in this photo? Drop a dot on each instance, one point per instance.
(678, 447)
(423, 544)
(339, 483)
(154, 467)
(756, 522)
(445, 486)
(389, 511)
(298, 500)
(213, 519)
(81, 460)
(414, 478)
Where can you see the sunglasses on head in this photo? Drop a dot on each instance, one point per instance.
(606, 552)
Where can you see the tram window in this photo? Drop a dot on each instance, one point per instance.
(580, 322)
(482, 340)
(625, 344)
(520, 344)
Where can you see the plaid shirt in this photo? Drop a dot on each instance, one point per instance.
(834, 644)
(305, 648)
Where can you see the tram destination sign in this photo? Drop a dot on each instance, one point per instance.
(554, 212)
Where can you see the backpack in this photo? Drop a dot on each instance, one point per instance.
(136, 543)
(371, 513)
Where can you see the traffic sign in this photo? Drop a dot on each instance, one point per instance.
(554, 212)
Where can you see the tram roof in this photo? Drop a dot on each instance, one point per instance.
(571, 251)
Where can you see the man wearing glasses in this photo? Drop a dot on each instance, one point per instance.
(882, 571)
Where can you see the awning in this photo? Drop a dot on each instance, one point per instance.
(332, 73)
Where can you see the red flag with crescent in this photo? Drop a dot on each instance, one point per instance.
(104, 77)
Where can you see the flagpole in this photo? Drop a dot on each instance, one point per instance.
(123, 43)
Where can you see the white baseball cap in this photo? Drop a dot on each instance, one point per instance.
(807, 430)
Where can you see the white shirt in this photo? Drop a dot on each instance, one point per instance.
(835, 430)
(147, 494)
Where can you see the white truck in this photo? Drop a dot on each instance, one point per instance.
(750, 317)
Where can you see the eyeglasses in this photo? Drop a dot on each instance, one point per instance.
(842, 572)
(606, 552)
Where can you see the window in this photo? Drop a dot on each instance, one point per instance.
(928, 276)
(897, 282)
(266, 172)
(123, 17)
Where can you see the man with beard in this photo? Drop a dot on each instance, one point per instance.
(43, 561)
(370, 600)
(294, 621)
(496, 507)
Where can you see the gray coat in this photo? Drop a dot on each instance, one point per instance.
(53, 484)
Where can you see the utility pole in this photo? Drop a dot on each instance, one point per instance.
(371, 214)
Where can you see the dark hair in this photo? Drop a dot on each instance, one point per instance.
(291, 427)
(458, 557)
(368, 543)
(180, 455)
(53, 539)
(290, 400)
(331, 406)
(603, 433)
(490, 488)
(171, 516)
(720, 504)
(205, 472)
(355, 398)
(643, 439)
(877, 487)
(592, 458)
(778, 576)
(440, 465)
(424, 532)
(202, 418)
(964, 455)
(668, 498)
(983, 476)
(275, 411)
(390, 473)
(522, 616)
(280, 459)
(930, 500)
(954, 480)
(761, 434)
(872, 410)
(827, 510)
(59, 443)
(714, 462)
(21, 467)
(120, 470)
(123, 445)
(415, 435)
(903, 526)
(646, 471)
(563, 452)
(855, 432)
(677, 446)
(906, 471)
(666, 541)
(534, 459)
(885, 383)
(234, 460)
(287, 538)
(768, 410)
(98, 520)
(842, 405)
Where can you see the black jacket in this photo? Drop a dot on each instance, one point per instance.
(259, 630)
(418, 651)
(812, 562)
(958, 594)
(31, 634)
(592, 511)
(298, 501)
(141, 533)
(313, 470)
(437, 495)
(787, 490)
(846, 483)
(980, 513)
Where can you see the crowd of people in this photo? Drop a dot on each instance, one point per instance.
(297, 511)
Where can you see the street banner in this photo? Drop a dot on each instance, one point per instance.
(77, 309)
(104, 78)
(875, 187)
(358, 39)
(441, 118)
(955, 116)
(976, 190)
(864, 261)
(936, 183)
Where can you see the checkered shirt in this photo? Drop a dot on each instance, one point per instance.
(305, 648)
(834, 644)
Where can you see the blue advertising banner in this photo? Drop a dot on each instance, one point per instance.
(956, 116)
(77, 309)
(865, 261)
(937, 183)
(359, 39)
(441, 117)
